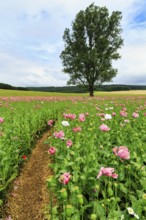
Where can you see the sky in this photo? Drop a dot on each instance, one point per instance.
(31, 40)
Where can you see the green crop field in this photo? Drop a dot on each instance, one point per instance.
(97, 149)
(9, 93)
(35, 93)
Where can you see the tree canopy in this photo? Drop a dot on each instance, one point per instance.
(91, 46)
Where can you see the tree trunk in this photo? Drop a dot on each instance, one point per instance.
(91, 90)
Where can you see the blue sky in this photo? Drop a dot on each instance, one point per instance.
(31, 40)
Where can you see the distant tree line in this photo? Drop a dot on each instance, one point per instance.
(76, 89)
(81, 89)
(7, 86)
(63, 89)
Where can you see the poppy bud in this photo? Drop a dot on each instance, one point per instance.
(93, 217)
(69, 210)
(63, 193)
(80, 199)
(75, 189)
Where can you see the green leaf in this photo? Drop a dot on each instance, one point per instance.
(76, 216)
(98, 209)
(13, 176)
(54, 210)
(1, 202)
(71, 163)
(132, 198)
(114, 215)
(137, 207)
(110, 191)
(143, 182)
(123, 188)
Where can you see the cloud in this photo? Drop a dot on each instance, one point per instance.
(20, 72)
(44, 79)
(31, 40)
(132, 65)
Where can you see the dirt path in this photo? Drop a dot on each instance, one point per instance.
(29, 195)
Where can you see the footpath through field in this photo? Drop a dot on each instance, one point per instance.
(29, 195)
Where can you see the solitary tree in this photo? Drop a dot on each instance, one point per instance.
(91, 47)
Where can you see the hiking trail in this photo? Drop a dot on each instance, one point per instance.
(29, 194)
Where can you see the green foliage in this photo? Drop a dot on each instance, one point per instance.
(7, 86)
(92, 46)
(65, 89)
(104, 197)
(23, 122)
(85, 196)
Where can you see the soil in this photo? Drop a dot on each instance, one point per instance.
(29, 194)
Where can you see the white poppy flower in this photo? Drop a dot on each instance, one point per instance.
(108, 116)
(65, 123)
(130, 211)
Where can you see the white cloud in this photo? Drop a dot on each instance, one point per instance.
(20, 72)
(31, 40)
(132, 65)
(42, 80)
(49, 48)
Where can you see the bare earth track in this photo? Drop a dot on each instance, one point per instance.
(29, 195)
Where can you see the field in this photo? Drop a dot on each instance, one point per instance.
(13, 93)
(97, 151)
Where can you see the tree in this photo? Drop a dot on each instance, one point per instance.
(91, 47)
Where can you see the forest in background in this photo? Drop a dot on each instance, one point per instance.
(76, 89)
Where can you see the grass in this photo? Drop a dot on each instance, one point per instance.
(122, 93)
(10, 93)
(4, 92)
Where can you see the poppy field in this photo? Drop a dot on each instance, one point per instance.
(97, 149)
(98, 153)
(22, 120)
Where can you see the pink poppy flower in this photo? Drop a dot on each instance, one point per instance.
(104, 128)
(52, 150)
(108, 171)
(115, 175)
(122, 152)
(71, 116)
(126, 121)
(101, 114)
(1, 120)
(135, 115)
(69, 143)
(59, 134)
(113, 113)
(123, 113)
(82, 117)
(77, 129)
(65, 178)
(50, 123)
